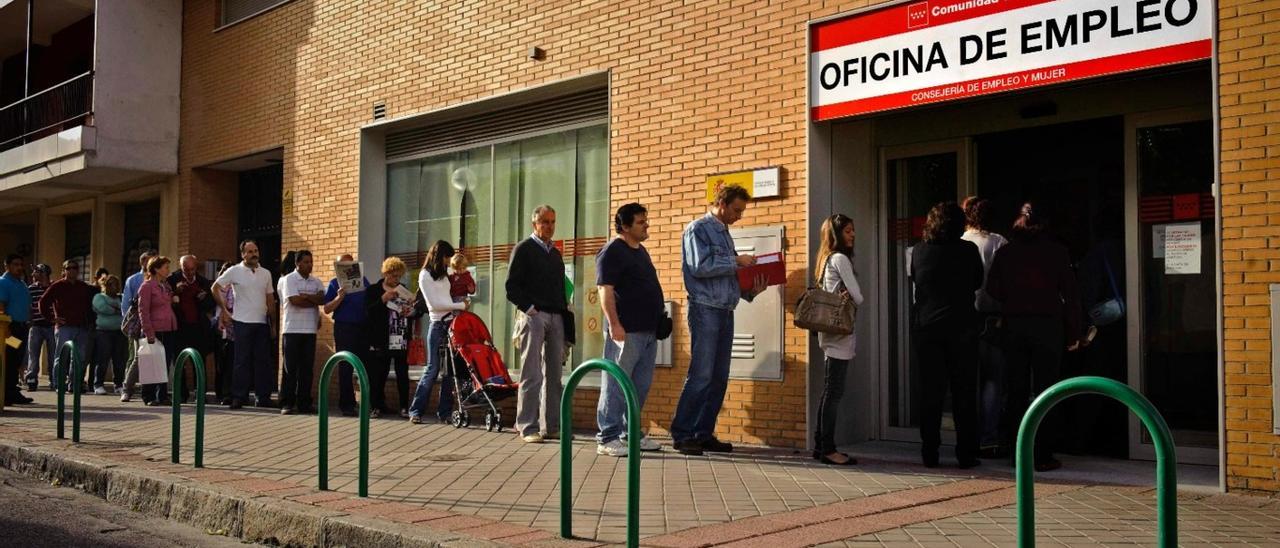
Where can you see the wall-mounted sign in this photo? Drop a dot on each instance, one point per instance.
(1182, 248)
(939, 50)
(760, 183)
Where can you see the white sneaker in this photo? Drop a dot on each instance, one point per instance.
(100, 391)
(647, 444)
(532, 438)
(614, 448)
(119, 390)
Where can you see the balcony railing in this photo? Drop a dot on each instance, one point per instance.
(46, 112)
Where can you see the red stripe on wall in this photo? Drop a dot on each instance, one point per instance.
(901, 19)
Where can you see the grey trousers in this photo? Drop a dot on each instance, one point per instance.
(541, 340)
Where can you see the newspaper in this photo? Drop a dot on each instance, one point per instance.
(350, 275)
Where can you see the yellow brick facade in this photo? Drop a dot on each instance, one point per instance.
(696, 88)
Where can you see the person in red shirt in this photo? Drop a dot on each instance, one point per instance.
(68, 303)
(461, 284)
(193, 307)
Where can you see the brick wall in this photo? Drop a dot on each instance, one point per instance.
(1249, 44)
(696, 89)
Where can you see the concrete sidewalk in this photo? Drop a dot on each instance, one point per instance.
(469, 485)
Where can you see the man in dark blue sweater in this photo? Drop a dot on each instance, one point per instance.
(535, 285)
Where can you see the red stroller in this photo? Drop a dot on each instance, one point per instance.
(486, 380)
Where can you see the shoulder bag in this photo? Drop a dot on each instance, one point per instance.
(825, 311)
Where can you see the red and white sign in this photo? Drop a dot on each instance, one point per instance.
(940, 50)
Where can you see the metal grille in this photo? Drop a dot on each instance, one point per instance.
(502, 124)
(236, 10)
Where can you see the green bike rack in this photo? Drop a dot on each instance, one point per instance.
(179, 368)
(1166, 463)
(77, 372)
(633, 447)
(325, 375)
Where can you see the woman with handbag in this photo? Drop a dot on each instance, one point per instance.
(946, 271)
(159, 324)
(434, 284)
(834, 270)
(1040, 306)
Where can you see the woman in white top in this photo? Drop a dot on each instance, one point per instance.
(834, 269)
(433, 282)
(977, 213)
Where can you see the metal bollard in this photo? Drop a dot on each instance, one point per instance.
(76, 372)
(633, 447)
(325, 376)
(1166, 462)
(197, 363)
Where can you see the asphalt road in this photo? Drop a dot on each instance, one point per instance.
(36, 514)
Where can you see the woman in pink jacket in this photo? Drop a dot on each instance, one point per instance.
(155, 311)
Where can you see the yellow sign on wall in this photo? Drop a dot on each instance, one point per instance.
(760, 183)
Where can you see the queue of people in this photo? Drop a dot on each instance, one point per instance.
(991, 319)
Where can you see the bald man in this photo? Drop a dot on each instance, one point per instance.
(193, 305)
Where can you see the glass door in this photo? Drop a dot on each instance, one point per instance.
(914, 179)
(1173, 279)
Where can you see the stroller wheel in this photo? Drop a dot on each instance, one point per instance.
(457, 419)
(489, 423)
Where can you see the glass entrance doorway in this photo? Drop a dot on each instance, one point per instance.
(1129, 196)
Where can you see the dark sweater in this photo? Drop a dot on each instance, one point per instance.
(945, 274)
(536, 278)
(70, 301)
(1033, 277)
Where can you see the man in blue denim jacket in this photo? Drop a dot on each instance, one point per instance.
(710, 267)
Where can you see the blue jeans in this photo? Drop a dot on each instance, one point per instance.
(253, 362)
(711, 334)
(636, 357)
(39, 338)
(80, 336)
(437, 334)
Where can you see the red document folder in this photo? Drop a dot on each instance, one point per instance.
(771, 265)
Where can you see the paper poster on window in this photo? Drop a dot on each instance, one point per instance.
(1182, 248)
(1157, 241)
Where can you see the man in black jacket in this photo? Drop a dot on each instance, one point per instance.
(535, 285)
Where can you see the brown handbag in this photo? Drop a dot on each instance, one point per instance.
(826, 311)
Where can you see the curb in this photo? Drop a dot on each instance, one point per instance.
(256, 518)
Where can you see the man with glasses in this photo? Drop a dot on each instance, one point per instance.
(68, 303)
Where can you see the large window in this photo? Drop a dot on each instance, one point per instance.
(480, 200)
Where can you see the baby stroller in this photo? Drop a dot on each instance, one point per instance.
(486, 379)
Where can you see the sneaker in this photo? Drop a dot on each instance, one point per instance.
(415, 419)
(716, 446)
(287, 411)
(647, 444)
(532, 438)
(119, 390)
(100, 391)
(688, 447)
(404, 413)
(375, 413)
(614, 448)
(125, 397)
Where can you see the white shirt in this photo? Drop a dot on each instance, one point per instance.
(298, 319)
(988, 243)
(840, 269)
(252, 287)
(439, 302)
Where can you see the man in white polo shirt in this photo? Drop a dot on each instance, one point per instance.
(302, 294)
(251, 322)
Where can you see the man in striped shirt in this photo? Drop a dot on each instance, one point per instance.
(40, 335)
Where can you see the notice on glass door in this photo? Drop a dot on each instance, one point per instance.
(1182, 248)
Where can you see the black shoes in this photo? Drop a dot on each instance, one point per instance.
(265, 404)
(235, 404)
(18, 399)
(31, 386)
(688, 447)
(716, 446)
(349, 412)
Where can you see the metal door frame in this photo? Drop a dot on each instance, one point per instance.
(963, 149)
(1133, 275)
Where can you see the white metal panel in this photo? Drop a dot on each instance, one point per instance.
(757, 325)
